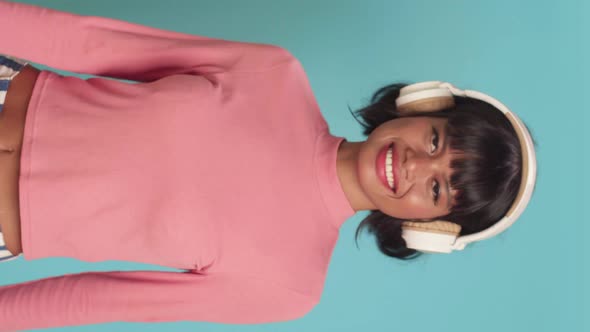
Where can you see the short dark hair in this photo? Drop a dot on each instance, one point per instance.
(487, 178)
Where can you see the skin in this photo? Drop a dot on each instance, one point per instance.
(12, 122)
(422, 163)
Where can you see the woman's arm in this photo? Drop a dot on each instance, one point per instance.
(147, 296)
(108, 47)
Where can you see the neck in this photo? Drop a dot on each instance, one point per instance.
(346, 164)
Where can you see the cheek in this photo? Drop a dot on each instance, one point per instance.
(413, 206)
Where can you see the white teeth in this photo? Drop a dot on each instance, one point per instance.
(389, 168)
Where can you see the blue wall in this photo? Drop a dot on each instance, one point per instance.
(532, 55)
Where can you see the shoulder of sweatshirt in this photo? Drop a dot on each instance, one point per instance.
(259, 57)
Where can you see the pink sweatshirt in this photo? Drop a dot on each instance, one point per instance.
(217, 162)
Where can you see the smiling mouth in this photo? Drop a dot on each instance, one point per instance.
(387, 167)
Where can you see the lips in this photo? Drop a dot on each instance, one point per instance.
(380, 166)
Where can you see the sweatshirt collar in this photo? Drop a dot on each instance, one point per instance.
(334, 199)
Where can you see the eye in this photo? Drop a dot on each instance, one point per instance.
(435, 190)
(434, 141)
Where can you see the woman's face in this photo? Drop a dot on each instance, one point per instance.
(421, 162)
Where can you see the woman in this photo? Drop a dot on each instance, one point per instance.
(217, 162)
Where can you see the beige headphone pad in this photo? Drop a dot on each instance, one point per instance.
(439, 226)
(427, 105)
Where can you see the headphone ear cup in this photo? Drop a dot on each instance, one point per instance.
(435, 236)
(425, 97)
(422, 86)
(438, 226)
(427, 105)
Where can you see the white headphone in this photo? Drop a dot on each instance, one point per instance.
(443, 236)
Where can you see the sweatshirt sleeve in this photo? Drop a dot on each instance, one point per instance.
(147, 296)
(113, 48)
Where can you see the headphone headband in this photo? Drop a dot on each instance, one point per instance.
(420, 94)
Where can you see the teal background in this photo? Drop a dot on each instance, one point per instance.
(532, 55)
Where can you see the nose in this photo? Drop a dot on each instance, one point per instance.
(418, 165)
